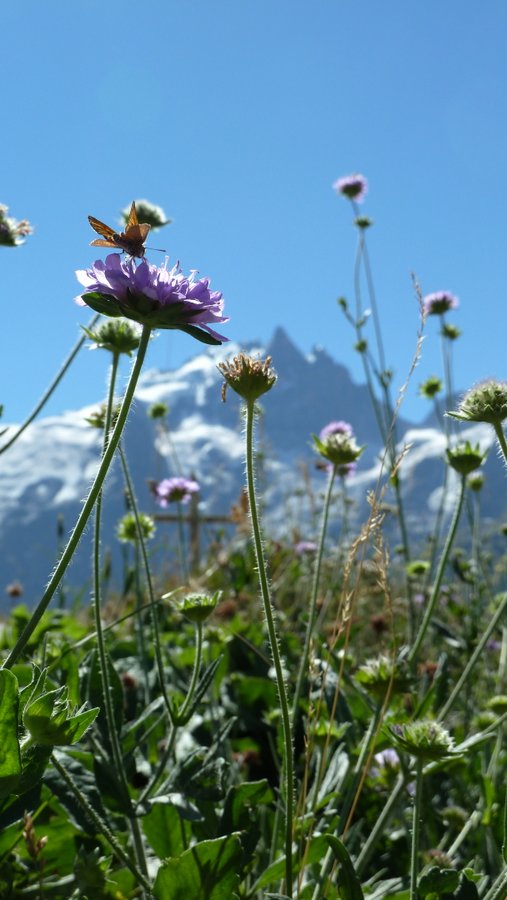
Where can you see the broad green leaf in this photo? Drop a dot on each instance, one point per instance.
(10, 758)
(276, 871)
(210, 870)
(163, 828)
(438, 881)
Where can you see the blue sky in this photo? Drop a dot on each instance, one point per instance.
(237, 116)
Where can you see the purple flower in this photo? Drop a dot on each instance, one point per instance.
(354, 187)
(304, 547)
(153, 295)
(336, 428)
(439, 303)
(174, 490)
(387, 758)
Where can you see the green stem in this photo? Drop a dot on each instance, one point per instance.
(288, 766)
(107, 697)
(181, 546)
(348, 799)
(314, 596)
(101, 826)
(195, 671)
(149, 584)
(476, 655)
(439, 575)
(416, 825)
(52, 387)
(87, 507)
(369, 845)
(501, 439)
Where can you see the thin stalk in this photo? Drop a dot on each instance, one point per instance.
(314, 596)
(54, 384)
(344, 817)
(416, 827)
(181, 546)
(87, 506)
(195, 672)
(369, 845)
(473, 659)
(501, 439)
(149, 584)
(107, 697)
(181, 715)
(288, 766)
(439, 575)
(498, 889)
(101, 826)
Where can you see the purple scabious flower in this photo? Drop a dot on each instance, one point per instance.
(355, 187)
(440, 302)
(339, 427)
(174, 490)
(153, 295)
(304, 547)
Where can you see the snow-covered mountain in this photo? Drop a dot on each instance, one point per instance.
(46, 474)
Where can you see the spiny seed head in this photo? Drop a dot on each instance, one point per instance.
(248, 377)
(485, 402)
(424, 739)
(465, 459)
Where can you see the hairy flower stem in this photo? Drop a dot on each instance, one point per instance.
(52, 387)
(416, 824)
(100, 825)
(501, 440)
(439, 576)
(288, 764)
(149, 584)
(314, 596)
(87, 506)
(476, 655)
(107, 696)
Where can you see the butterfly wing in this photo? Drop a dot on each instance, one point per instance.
(108, 233)
(99, 243)
(132, 219)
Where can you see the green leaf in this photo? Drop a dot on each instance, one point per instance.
(210, 870)
(240, 800)
(95, 697)
(348, 882)
(10, 757)
(163, 828)
(102, 303)
(438, 881)
(198, 334)
(276, 871)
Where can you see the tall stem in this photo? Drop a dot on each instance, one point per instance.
(315, 591)
(439, 575)
(87, 507)
(416, 825)
(288, 766)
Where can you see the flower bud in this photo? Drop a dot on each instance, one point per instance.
(127, 533)
(425, 739)
(116, 335)
(198, 607)
(486, 402)
(465, 459)
(431, 387)
(249, 377)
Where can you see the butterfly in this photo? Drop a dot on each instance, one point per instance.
(131, 240)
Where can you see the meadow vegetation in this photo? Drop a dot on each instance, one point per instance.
(316, 716)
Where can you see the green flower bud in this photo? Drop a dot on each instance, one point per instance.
(115, 335)
(431, 387)
(198, 607)
(417, 568)
(465, 459)
(451, 332)
(126, 531)
(158, 411)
